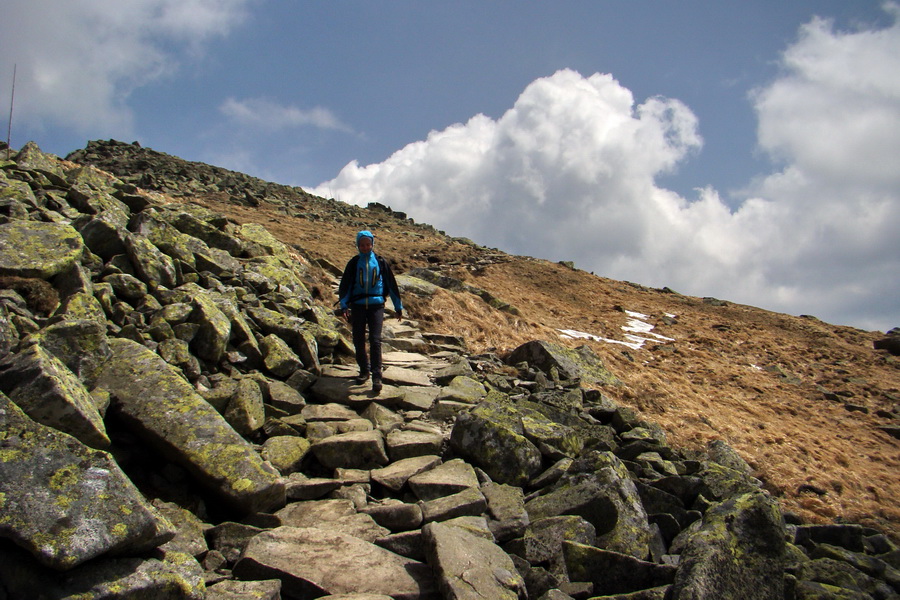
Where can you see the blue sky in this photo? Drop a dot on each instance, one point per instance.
(747, 151)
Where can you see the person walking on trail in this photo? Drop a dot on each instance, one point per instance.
(366, 283)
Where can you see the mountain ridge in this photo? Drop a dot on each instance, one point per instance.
(812, 407)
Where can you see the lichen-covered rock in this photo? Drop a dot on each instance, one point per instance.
(292, 331)
(31, 158)
(82, 306)
(209, 232)
(104, 234)
(492, 437)
(842, 575)
(174, 576)
(738, 552)
(278, 357)
(38, 249)
(285, 453)
(66, 503)
(42, 386)
(151, 265)
(80, 344)
(580, 363)
(232, 589)
(506, 507)
(246, 411)
(259, 242)
(159, 405)
(606, 498)
(165, 237)
(463, 389)
(614, 573)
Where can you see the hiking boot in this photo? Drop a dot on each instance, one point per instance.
(376, 386)
(361, 378)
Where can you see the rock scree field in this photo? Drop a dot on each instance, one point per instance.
(179, 416)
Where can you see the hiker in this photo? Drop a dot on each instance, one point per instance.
(365, 284)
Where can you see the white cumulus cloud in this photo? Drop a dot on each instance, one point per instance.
(569, 173)
(77, 61)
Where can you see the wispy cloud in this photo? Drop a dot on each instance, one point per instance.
(268, 115)
(569, 172)
(79, 60)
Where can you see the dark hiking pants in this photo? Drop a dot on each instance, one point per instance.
(371, 318)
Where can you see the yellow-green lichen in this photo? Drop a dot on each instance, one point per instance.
(120, 529)
(242, 485)
(64, 477)
(8, 455)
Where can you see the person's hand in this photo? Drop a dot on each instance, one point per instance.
(346, 314)
(399, 315)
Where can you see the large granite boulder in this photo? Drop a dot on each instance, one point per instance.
(161, 407)
(66, 503)
(38, 249)
(738, 552)
(491, 435)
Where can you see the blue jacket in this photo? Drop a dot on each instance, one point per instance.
(367, 279)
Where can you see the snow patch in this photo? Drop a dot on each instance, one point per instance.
(637, 333)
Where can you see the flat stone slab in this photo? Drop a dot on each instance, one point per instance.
(333, 564)
(443, 480)
(412, 360)
(342, 390)
(395, 475)
(402, 376)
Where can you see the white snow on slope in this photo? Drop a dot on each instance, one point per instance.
(637, 333)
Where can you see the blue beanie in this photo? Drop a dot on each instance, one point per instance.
(365, 233)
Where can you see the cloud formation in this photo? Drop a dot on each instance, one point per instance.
(266, 115)
(78, 60)
(568, 173)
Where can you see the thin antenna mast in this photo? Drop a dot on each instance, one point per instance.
(11, 102)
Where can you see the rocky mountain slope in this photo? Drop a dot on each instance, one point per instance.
(179, 417)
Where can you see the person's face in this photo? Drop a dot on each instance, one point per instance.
(365, 244)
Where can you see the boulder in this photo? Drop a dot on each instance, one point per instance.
(614, 573)
(738, 552)
(42, 386)
(174, 576)
(609, 500)
(49, 484)
(332, 564)
(408, 444)
(353, 450)
(38, 249)
(395, 475)
(580, 363)
(161, 407)
(443, 480)
(506, 507)
(469, 566)
(492, 437)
